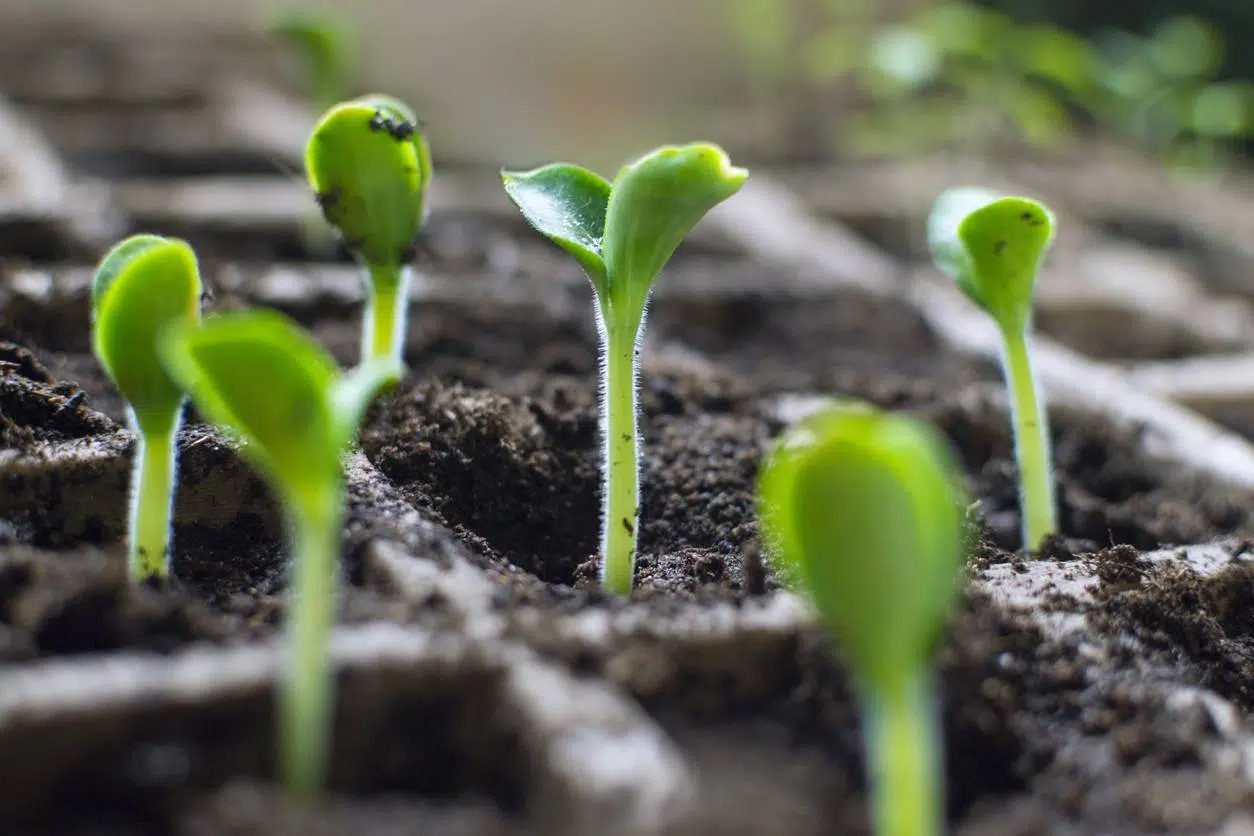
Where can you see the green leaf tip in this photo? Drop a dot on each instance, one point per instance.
(864, 510)
(992, 245)
(141, 286)
(369, 166)
(265, 379)
(623, 233)
(567, 204)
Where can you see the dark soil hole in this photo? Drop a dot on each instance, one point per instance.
(81, 602)
(813, 341)
(492, 470)
(1110, 491)
(1209, 619)
(438, 734)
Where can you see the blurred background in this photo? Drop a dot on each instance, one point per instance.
(776, 81)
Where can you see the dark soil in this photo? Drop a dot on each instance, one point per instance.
(487, 456)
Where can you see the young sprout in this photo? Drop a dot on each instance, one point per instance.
(622, 234)
(321, 42)
(142, 285)
(369, 166)
(993, 246)
(263, 379)
(864, 512)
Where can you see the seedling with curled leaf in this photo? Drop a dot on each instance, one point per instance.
(263, 379)
(864, 512)
(992, 246)
(369, 166)
(623, 234)
(141, 286)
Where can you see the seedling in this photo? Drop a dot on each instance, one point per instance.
(141, 286)
(623, 234)
(864, 512)
(993, 246)
(324, 47)
(369, 166)
(260, 377)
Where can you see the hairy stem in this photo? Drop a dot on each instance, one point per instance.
(307, 702)
(904, 758)
(152, 499)
(387, 303)
(621, 473)
(1031, 437)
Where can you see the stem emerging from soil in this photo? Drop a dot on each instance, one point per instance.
(307, 706)
(1031, 438)
(152, 498)
(903, 750)
(621, 473)
(387, 303)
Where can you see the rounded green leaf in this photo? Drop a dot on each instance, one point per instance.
(369, 165)
(141, 286)
(992, 246)
(654, 203)
(864, 510)
(260, 376)
(567, 204)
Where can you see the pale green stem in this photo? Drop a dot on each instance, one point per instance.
(904, 750)
(387, 303)
(1031, 439)
(621, 473)
(152, 498)
(307, 702)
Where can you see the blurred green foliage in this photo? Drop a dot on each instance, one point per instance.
(914, 76)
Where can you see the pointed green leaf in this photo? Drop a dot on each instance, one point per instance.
(654, 203)
(864, 508)
(261, 377)
(141, 286)
(370, 166)
(351, 395)
(567, 204)
(992, 246)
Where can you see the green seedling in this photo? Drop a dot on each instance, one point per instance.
(622, 234)
(321, 43)
(141, 286)
(864, 513)
(369, 166)
(993, 246)
(261, 378)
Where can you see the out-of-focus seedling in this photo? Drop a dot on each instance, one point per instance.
(993, 246)
(369, 166)
(141, 286)
(322, 45)
(260, 377)
(622, 234)
(864, 512)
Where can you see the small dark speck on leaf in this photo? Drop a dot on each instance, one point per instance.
(1025, 216)
(627, 525)
(999, 247)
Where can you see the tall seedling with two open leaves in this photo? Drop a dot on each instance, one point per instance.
(622, 234)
